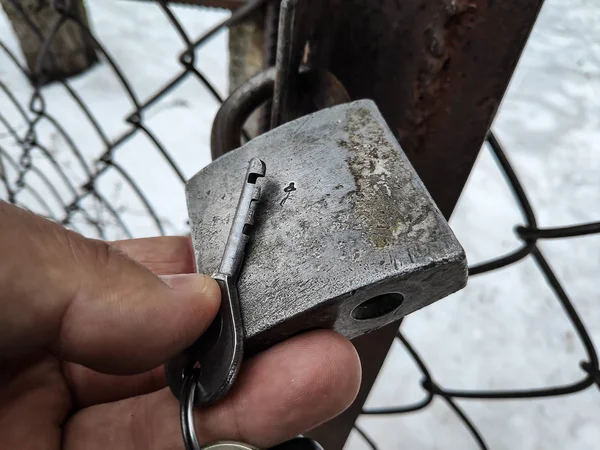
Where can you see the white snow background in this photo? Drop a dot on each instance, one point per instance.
(505, 330)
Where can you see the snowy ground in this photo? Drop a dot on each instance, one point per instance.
(505, 329)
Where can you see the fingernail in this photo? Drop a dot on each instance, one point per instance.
(193, 283)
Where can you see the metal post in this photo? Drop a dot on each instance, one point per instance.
(438, 71)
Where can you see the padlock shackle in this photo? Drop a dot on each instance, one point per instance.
(320, 89)
(226, 134)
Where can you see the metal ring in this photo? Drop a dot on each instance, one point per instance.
(188, 391)
(190, 438)
(227, 127)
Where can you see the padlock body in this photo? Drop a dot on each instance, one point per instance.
(346, 236)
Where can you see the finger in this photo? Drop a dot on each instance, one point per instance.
(33, 405)
(162, 255)
(91, 304)
(89, 387)
(285, 391)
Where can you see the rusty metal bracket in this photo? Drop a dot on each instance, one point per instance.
(300, 23)
(437, 70)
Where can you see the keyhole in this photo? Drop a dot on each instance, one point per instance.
(288, 190)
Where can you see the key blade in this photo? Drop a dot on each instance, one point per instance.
(217, 355)
(233, 256)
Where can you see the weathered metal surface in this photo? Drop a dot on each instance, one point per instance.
(343, 218)
(294, 21)
(301, 22)
(438, 71)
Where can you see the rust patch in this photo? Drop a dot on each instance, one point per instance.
(377, 212)
(444, 37)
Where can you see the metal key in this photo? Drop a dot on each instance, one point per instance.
(208, 368)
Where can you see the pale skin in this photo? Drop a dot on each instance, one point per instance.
(85, 327)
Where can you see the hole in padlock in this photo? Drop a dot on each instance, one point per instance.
(377, 306)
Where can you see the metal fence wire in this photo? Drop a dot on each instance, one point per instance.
(17, 173)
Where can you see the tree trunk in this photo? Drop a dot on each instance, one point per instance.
(70, 51)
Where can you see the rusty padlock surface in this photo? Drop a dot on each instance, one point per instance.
(346, 236)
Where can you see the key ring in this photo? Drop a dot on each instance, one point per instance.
(190, 438)
(188, 391)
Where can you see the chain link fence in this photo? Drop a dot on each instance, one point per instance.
(85, 191)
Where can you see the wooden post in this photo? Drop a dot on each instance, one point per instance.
(246, 59)
(70, 51)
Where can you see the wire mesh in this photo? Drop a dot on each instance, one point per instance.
(36, 179)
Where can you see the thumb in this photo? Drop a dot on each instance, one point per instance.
(87, 303)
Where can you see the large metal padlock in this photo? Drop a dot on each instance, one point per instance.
(345, 237)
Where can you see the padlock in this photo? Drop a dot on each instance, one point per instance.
(346, 237)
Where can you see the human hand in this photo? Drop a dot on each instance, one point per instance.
(84, 330)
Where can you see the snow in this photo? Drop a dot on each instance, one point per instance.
(145, 47)
(505, 330)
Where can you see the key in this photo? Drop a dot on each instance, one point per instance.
(214, 360)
